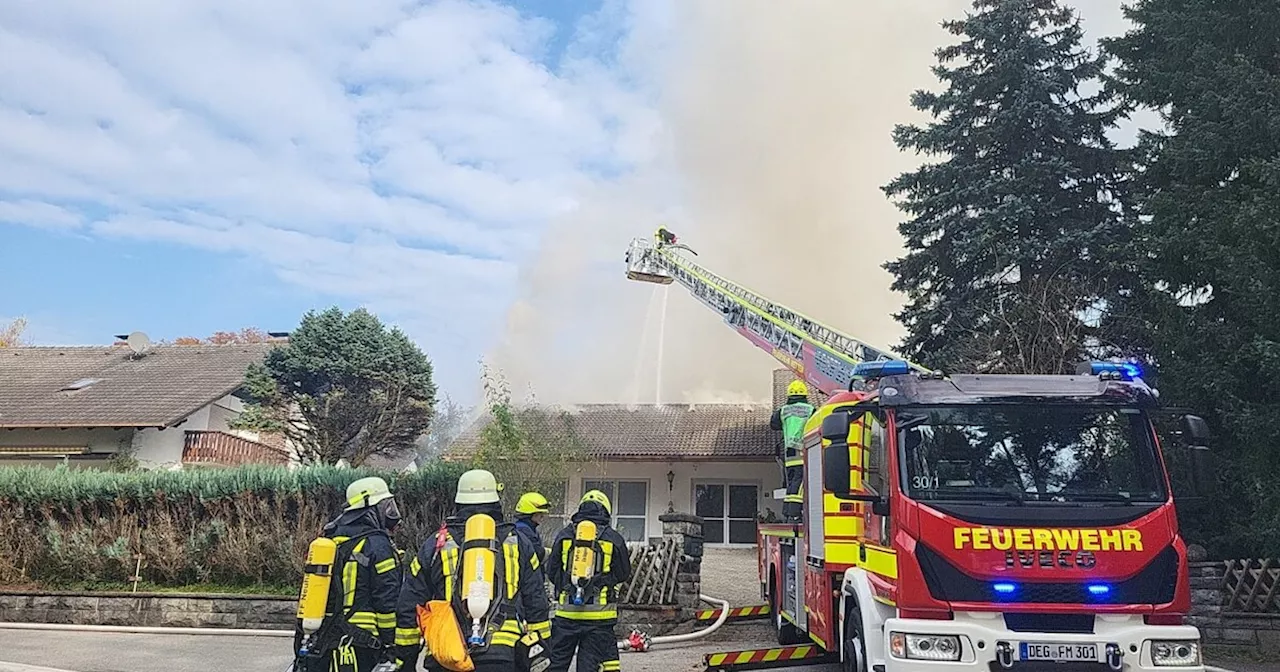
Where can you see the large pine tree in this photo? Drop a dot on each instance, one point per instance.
(1011, 231)
(1209, 189)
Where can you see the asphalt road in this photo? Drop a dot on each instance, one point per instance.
(123, 652)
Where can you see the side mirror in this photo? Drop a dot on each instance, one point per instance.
(1203, 476)
(835, 457)
(1195, 432)
(835, 427)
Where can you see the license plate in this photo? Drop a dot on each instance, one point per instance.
(1058, 652)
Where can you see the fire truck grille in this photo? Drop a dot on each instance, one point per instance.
(1155, 584)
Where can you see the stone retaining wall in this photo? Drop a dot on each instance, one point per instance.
(149, 609)
(272, 612)
(256, 612)
(1243, 633)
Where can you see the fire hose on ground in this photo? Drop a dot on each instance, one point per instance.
(638, 641)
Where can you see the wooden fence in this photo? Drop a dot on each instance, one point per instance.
(221, 448)
(1251, 586)
(653, 574)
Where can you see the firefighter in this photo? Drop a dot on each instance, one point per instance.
(358, 632)
(664, 237)
(531, 510)
(520, 603)
(586, 606)
(790, 418)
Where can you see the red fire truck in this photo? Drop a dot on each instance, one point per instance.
(963, 522)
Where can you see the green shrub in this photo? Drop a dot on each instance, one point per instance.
(242, 527)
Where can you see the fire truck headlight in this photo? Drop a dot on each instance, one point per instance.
(1175, 653)
(924, 647)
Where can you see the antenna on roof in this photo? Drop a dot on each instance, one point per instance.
(139, 343)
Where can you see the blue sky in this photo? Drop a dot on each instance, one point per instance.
(183, 169)
(470, 170)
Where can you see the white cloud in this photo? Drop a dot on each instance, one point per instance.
(406, 155)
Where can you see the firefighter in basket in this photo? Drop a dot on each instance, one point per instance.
(350, 585)
(790, 418)
(474, 591)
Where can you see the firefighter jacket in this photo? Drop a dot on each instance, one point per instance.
(366, 585)
(433, 575)
(526, 528)
(790, 419)
(613, 567)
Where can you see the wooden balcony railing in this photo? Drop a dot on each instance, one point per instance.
(213, 447)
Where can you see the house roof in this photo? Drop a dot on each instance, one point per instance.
(116, 388)
(651, 432)
(782, 378)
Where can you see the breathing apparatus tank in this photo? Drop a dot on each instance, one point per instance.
(583, 567)
(478, 564)
(317, 576)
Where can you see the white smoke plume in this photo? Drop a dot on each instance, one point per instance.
(773, 145)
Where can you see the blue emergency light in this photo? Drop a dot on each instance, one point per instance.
(881, 368)
(1124, 370)
(1004, 588)
(1099, 589)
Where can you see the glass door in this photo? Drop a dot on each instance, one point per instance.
(728, 511)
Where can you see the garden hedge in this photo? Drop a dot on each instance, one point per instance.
(244, 527)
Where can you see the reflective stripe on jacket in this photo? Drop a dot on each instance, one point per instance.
(433, 575)
(613, 567)
(370, 583)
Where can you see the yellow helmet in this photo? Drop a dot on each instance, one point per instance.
(532, 502)
(366, 492)
(477, 487)
(599, 498)
(797, 388)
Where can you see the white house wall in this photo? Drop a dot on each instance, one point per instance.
(162, 448)
(767, 475)
(222, 412)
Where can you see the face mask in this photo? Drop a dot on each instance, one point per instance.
(389, 512)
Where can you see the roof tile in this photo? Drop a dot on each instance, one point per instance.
(617, 431)
(159, 389)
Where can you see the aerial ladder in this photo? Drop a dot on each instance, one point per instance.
(819, 354)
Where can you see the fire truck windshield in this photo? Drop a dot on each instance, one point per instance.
(1031, 454)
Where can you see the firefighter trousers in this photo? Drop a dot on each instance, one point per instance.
(482, 665)
(793, 502)
(593, 640)
(497, 659)
(345, 658)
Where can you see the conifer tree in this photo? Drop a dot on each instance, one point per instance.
(1012, 231)
(1209, 238)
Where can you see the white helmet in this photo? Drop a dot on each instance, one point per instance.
(477, 487)
(366, 492)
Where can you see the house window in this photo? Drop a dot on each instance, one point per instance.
(630, 500)
(728, 511)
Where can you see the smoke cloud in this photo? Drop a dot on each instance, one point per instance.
(773, 145)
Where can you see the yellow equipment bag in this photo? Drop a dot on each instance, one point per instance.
(443, 635)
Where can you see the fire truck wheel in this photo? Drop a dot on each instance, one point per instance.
(855, 658)
(788, 634)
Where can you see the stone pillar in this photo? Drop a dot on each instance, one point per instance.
(1206, 593)
(686, 529)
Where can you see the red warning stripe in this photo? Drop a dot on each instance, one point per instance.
(754, 611)
(730, 658)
